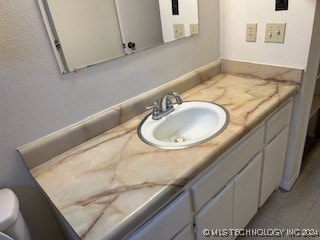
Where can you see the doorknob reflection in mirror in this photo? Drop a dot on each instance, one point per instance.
(132, 45)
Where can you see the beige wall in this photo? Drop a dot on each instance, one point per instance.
(35, 100)
(295, 52)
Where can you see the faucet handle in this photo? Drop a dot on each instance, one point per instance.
(153, 106)
(155, 110)
(177, 97)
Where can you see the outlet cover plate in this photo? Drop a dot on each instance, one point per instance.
(178, 29)
(194, 28)
(251, 32)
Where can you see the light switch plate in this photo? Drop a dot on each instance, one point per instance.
(275, 32)
(251, 35)
(178, 30)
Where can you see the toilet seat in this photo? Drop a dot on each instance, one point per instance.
(9, 208)
(12, 224)
(5, 237)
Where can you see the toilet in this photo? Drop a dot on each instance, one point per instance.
(12, 224)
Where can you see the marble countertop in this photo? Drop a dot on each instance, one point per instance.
(113, 179)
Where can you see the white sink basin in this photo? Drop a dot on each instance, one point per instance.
(191, 123)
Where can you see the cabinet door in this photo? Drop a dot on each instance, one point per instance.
(273, 163)
(203, 190)
(186, 234)
(216, 214)
(246, 192)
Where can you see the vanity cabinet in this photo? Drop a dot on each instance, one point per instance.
(167, 223)
(186, 234)
(235, 205)
(246, 192)
(210, 184)
(217, 214)
(276, 141)
(278, 121)
(227, 194)
(273, 164)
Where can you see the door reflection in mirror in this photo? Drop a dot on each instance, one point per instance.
(140, 23)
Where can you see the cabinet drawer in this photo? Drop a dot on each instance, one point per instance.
(168, 222)
(249, 148)
(208, 186)
(278, 121)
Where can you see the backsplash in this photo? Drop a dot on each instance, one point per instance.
(265, 72)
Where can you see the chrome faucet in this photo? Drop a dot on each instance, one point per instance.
(166, 105)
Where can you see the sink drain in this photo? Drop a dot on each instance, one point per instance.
(179, 139)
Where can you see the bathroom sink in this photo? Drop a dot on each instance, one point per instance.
(190, 123)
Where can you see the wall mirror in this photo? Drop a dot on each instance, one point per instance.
(88, 32)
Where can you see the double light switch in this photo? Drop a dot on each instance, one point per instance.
(275, 32)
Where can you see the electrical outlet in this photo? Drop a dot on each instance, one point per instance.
(275, 32)
(251, 32)
(194, 28)
(178, 30)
